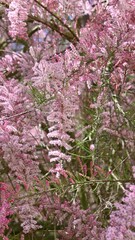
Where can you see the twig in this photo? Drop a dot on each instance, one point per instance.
(78, 183)
(59, 19)
(16, 115)
(53, 27)
(22, 113)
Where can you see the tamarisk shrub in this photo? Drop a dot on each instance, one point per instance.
(67, 139)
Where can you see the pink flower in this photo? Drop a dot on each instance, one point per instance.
(59, 171)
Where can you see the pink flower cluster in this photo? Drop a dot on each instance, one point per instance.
(18, 14)
(5, 208)
(122, 220)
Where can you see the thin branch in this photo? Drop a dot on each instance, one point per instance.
(16, 115)
(22, 113)
(78, 183)
(59, 19)
(52, 26)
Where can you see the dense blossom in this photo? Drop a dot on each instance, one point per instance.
(17, 15)
(5, 208)
(79, 223)
(122, 220)
(67, 134)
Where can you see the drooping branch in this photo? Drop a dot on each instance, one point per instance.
(54, 27)
(59, 19)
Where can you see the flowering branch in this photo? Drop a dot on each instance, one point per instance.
(59, 19)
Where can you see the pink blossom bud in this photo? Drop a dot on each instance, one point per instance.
(92, 147)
